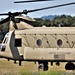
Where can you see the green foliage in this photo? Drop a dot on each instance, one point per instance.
(4, 28)
(63, 20)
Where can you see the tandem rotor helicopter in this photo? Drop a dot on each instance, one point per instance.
(24, 42)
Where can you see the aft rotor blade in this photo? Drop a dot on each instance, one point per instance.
(31, 1)
(51, 7)
(5, 20)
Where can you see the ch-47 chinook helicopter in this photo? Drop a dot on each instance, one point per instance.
(24, 42)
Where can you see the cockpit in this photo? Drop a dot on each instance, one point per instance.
(3, 44)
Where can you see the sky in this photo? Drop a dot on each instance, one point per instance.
(9, 5)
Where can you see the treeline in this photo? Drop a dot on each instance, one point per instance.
(63, 21)
(4, 28)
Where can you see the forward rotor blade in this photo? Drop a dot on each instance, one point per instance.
(10, 13)
(31, 1)
(5, 20)
(50, 7)
(4, 14)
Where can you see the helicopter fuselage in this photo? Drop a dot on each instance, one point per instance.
(54, 44)
(38, 40)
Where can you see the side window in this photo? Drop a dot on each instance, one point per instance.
(18, 42)
(39, 42)
(59, 42)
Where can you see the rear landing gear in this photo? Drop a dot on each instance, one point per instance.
(43, 66)
(70, 66)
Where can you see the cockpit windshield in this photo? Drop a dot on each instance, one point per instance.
(6, 38)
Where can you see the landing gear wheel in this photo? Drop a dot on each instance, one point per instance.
(43, 66)
(70, 66)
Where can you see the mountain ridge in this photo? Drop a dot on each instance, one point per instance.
(51, 17)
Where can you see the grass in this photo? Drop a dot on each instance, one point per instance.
(35, 73)
(41, 73)
(28, 68)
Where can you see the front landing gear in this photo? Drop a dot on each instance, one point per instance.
(43, 66)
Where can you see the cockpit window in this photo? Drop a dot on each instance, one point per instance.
(5, 40)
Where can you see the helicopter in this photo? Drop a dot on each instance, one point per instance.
(24, 42)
